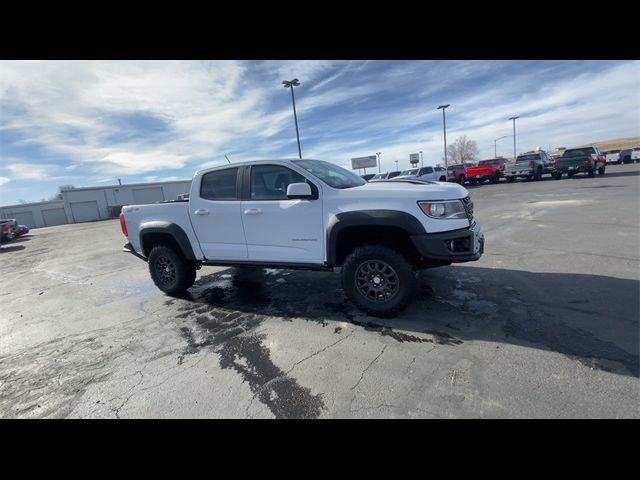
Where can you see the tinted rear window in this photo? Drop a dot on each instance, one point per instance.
(219, 185)
(528, 158)
(488, 162)
(579, 151)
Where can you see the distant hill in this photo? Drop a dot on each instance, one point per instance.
(619, 144)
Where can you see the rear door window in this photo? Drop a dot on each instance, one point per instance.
(220, 185)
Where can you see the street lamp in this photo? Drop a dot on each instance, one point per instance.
(396, 164)
(444, 124)
(290, 84)
(421, 162)
(514, 137)
(495, 147)
(378, 154)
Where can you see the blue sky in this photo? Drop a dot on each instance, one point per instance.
(91, 122)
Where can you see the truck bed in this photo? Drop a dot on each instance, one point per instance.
(160, 213)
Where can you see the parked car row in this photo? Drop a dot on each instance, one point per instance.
(529, 166)
(9, 229)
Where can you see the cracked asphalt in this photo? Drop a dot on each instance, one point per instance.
(545, 325)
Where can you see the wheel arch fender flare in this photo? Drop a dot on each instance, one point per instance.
(379, 217)
(167, 228)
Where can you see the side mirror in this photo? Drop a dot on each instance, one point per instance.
(299, 190)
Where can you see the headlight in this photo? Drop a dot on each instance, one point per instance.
(446, 210)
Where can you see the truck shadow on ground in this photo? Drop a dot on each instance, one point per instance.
(11, 248)
(589, 318)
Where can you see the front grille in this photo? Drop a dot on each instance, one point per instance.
(468, 207)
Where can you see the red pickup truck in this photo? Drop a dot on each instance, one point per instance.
(491, 170)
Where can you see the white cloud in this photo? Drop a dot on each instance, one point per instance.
(31, 171)
(4, 180)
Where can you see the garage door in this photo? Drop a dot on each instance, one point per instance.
(54, 216)
(147, 195)
(23, 218)
(85, 211)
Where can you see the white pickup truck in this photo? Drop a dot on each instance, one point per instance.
(307, 214)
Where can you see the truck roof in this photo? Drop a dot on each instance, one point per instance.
(249, 162)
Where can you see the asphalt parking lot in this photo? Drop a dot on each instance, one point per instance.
(545, 325)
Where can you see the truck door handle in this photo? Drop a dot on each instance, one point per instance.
(202, 211)
(253, 211)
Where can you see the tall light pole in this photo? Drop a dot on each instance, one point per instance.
(290, 84)
(514, 137)
(421, 162)
(396, 164)
(444, 125)
(378, 154)
(495, 146)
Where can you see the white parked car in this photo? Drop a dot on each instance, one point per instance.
(433, 174)
(307, 214)
(385, 176)
(612, 156)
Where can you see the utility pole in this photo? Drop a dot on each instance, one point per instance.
(444, 124)
(514, 137)
(421, 162)
(290, 84)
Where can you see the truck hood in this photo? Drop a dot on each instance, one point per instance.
(429, 191)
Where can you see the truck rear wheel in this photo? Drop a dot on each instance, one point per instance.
(557, 175)
(170, 271)
(378, 280)
(592, 173)
(511, 179)
(601, 170)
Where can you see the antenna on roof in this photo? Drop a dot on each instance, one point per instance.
(227, 159)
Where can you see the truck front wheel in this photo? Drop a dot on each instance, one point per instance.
(170, 271)
(378, 280)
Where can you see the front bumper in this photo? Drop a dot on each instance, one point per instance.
(464, 245)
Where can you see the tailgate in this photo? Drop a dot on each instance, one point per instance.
(479, 171)
(566, 162)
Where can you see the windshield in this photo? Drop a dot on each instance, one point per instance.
(331, 174)
(451, 168)
(413, 171)
(488, 162)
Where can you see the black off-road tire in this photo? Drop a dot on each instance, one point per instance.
(591, 173)
(601, 170)
(511, 179)
(461, 179)
(472, 181)
(170, 271)
(360, 270)
(495, 178)
(556, 176)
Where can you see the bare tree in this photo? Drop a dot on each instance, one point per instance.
(462, 150)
